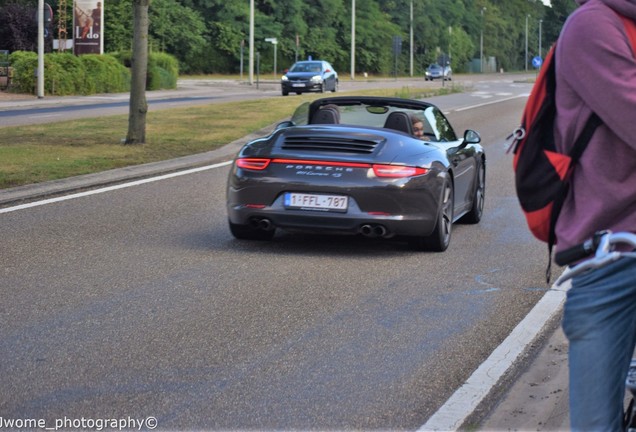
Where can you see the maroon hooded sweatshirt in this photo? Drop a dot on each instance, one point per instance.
(596, 71)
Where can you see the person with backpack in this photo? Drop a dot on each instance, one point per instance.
(596, 73)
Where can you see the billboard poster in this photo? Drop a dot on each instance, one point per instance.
(88, 31)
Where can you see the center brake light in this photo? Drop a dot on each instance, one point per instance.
(380, 170)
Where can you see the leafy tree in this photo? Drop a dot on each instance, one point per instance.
(18, 28)
(118, 32)
(208, 35)
(555, 17)
(321, 40)
(175, 28)
(374, 38)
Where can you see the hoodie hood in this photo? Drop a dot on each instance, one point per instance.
(624, 7)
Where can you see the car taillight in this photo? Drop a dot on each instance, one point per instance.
(398, 171)
(256, 164)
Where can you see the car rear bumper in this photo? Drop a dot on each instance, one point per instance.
(387, 210)
(349, 223)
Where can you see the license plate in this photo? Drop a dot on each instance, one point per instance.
(294, 200)
(298, 85)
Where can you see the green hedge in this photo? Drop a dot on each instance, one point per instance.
(163, 69)
(67, 74)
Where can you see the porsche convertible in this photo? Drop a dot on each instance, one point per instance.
(369, 166)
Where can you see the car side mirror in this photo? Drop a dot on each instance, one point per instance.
(327, 70)
(471, 137)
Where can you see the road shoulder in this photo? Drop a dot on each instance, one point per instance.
(538, 398)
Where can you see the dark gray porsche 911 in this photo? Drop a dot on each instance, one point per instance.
(352, 165)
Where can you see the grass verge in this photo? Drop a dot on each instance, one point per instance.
(38, 153)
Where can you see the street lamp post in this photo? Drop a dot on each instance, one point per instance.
(274, 42)
(481, 43)
(353, 39)
(450, 36)
(540, 50)
(40, 49)
(527, 16)
(411, 39)
(251, 54)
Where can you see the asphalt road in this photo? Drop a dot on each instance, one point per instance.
(138, 303)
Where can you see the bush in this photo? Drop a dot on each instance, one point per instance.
(163, 69)
(64, 74)
(67, 74)
(105, 74)
(25, 64)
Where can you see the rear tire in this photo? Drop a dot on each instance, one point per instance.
(248, 232)
(440, 238)
(477, 209)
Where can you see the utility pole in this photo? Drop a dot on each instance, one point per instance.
(411, 43)
(274, 42)
(481, 43)
(40, 49)
(353, 39)
(540, 51)
(251, 42)
(527, 16)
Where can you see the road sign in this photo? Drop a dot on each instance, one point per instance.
(537, 62)
(397, 44)
(48, 14)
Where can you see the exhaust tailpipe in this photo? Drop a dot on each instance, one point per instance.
(265, 224)
(373, 230)
(367, 230)
(379, 230)
(261, 224)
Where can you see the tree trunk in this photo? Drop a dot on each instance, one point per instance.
(139, 67)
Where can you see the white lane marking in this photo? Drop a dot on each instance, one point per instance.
(465, 400)
(489, 103)
(112, 188)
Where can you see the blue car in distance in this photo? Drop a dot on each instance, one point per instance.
(309, 76)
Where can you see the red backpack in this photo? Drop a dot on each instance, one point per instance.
(541, 172)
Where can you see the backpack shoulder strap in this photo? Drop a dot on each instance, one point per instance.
(630, 30)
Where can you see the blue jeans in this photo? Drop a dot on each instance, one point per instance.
(600, 323)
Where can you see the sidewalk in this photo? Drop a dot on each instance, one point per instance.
(538, 398)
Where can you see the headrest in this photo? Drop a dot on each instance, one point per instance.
(326, 115)
(399, 121)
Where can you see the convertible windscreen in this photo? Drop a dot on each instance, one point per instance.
(435, 125)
